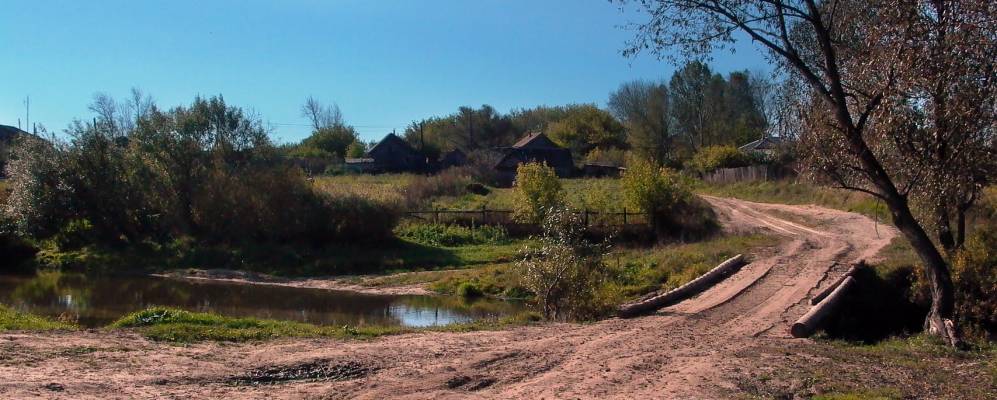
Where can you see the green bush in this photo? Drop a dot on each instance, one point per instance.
(536, 191)
(974, 271)
(667, 199)
(563, 269)
(206, 171)
(469, 290)
(711, 158)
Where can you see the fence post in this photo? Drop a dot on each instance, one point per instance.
(586, 217)
(437, 218)
(484, 213)
(624, 216)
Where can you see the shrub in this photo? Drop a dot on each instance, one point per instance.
(536, 191)
(711, 158)
(563, 269)
(206, 171)
(452, 235)
(469, 290)
(974, 271)
(667, 199)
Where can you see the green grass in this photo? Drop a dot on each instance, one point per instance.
(180, 326)
(635, 271)
(14, 320)
(640, 271)
(790, 192)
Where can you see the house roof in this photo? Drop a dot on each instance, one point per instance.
(9, 133)
(554, 157)
(765, 143)
(535, 139)
(392, 140)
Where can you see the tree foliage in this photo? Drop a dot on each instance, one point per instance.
(884, 82)
(536, 190)
(563, 269)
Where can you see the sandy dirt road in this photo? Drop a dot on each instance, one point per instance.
(685, 351)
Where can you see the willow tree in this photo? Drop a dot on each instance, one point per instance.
(879, 74)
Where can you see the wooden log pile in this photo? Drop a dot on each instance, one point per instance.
(824, 304)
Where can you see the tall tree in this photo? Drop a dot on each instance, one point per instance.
(586, 127)
(694, 96)
(321, 116)
(643, 107)
(853, 56)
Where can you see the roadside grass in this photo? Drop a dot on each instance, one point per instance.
(639, 271)
(13, 320)
(180, 326)
(913, 367)
(634, 271)
(791, 192)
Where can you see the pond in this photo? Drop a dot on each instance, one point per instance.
(97, 301)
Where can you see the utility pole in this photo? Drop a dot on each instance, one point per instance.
(422, 137)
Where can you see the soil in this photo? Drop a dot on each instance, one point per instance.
(693, 349)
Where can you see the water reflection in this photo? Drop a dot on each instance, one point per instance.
(97, 301)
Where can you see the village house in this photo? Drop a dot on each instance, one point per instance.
(766, 146)
(391, 154)
(535, 148)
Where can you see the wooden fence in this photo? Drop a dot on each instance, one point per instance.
(484, 216)
(746, 174)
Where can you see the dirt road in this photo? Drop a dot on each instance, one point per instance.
(684, 351)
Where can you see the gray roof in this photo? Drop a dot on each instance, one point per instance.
(765, 143)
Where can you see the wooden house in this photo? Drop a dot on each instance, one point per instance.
(452, 158)
(394, 154)
(535, 148)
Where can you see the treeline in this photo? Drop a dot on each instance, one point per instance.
(136, 173)
(666, 122)
(663, 121)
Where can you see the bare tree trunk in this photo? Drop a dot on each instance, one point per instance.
(939, 321)
(945, 237)
(960, 238)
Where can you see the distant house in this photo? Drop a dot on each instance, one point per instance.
(8, 134)
(535, 148)
(767, 146)
(394, 154)
(452, 158)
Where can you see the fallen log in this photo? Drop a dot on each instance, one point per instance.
(809, 322)
(683, 292)
(823, 293)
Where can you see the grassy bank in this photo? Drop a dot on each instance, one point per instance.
(13, 320)
(180, 326)
(396, 255)
(635, 271)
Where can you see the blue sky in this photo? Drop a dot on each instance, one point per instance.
(386, 63)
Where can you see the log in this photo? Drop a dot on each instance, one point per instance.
(694, 287)
(809, 322)
(823, 293)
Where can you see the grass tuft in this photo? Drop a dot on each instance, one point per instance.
(13, 320)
